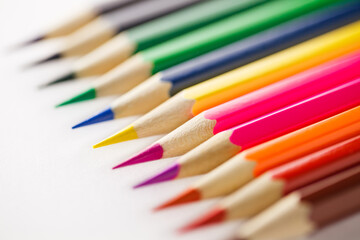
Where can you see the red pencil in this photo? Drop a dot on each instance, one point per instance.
(307, 209)
(271, 186)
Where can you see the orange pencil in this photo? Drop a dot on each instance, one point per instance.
(276, 183)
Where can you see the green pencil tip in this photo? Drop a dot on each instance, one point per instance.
(87, 95)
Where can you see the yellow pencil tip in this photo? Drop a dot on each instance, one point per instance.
(126, 134)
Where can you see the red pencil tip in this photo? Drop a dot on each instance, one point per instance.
(216, 215)
(190, 195)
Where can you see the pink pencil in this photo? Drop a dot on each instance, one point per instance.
(227, 144)
(250, 106)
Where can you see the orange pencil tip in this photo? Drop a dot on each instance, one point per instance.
(190, 195)
(216, 215)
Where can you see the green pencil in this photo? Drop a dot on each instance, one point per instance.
(172, 52)
(139, 37)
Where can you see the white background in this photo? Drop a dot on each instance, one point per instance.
(53, 185)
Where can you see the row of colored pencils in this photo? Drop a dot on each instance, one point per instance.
(261, 96)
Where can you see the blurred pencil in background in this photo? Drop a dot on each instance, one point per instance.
(136, 36)
(102, 29)
(239, 26)
(80, 19)
(167, 83)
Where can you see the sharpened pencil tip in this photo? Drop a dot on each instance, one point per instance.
(216, 215)
(189, 195)
(31, 41)
(48, 59)
(64, 78)
(126, 134)
(153, 152)
(103, 116)
(87, 95)
(169, 174)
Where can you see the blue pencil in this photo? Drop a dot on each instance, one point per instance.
(165, 84)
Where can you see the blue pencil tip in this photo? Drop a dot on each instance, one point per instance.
(106, 115)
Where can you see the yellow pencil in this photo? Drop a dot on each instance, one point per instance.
(194, 100)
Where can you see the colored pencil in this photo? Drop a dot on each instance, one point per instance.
(138, 38)
(80, 19)
(167, 83)
(253, 162)
(102, 29)
(255, 104)
(239, 26)
(271, 186)
(192, 101)
(226, 144)
(308, 209)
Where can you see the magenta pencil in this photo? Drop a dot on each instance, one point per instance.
(227, 144)
(251, 106)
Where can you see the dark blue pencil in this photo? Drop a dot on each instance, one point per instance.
(167, 83)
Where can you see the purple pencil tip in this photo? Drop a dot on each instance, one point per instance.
(29, 42)
(154, 152)
(45, 60)
(169, 174)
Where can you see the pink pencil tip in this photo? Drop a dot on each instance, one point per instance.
(154, 152)
(116, 167)
(166, 175)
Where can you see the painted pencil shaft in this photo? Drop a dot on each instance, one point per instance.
(192, 101)
(297, 115)
(162, 86)
(255, 161)
(75, 21)
(260, 102)
(203, 40)
(307, 209)
(122, 46)
(270, 187)
(223, 32)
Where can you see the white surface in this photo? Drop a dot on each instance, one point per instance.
(53, 185)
